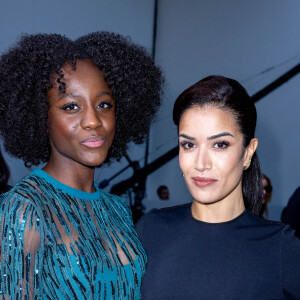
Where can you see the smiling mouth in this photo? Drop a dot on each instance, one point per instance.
(202, 181)
(93, 142)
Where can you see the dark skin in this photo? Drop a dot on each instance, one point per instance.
(81, 125)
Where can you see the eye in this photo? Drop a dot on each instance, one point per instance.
(105, 105)
(187, 145)
(72, 106)
(221, 144)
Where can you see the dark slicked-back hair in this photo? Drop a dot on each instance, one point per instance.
(227, 94)
(27, 71)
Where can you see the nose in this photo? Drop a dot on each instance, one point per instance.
(203, 160)
(91, 119)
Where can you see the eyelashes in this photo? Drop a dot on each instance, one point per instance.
(105, 105)
(218, 145)
(186, 145)
(221, 144)
(71, 106)
(74, 106)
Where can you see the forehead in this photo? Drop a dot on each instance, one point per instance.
(208, 121)
(84, 70)
(86, 80)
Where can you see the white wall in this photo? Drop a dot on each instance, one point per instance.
(237, 39)
(74, 18)
(234, 38)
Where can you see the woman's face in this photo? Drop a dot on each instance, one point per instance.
(82, 120)
(212, 155)
(267, 190)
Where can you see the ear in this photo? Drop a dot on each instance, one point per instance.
(249, 152)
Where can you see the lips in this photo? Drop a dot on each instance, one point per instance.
(93, 142)
(203, 181)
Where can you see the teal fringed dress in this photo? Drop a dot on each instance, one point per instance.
(61, 243)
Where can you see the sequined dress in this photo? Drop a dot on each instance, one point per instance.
(61, 243)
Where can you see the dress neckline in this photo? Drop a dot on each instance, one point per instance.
(65, 188)
(234, 220)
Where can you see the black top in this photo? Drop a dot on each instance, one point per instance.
(292, 212)
(245, 258)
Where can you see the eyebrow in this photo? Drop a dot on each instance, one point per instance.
(209, 138)
(219, 135)
(186, 137)
(76, 95)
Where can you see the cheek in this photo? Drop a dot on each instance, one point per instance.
(60, 128)
(231, 166)
(111, 136)
(113, 125)
(185, 161)
(181, 161)
(110, 126)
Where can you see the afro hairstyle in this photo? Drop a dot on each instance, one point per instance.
(25, 78)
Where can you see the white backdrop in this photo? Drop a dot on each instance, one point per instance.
(74, 18)
(238, 39)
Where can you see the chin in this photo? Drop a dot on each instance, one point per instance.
(205, 201)
(93, 160)
(93, 163)
(207, 197)
(204, 197)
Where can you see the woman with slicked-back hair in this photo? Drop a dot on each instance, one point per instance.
(217, 247)
(72, 105)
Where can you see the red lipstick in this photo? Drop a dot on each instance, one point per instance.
(93, 142)
(203, 181)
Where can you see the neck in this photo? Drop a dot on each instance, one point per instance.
(222, 211)
(74, 175)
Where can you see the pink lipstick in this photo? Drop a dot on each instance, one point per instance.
(93, 142)
(203, 181)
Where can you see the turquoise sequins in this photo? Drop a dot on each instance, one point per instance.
(61, 243)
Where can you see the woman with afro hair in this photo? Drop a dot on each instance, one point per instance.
(72, 105)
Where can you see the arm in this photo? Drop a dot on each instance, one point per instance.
(21, 248)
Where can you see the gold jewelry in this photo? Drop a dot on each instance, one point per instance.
(182, 175)
(248, 165)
